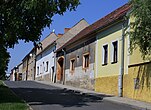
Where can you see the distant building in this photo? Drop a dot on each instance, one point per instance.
(28, 71)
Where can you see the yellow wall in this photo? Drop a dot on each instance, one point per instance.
(115, 33)
(143, 92)
(107, 76)
(108, 85)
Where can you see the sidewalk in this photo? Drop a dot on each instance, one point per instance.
(138, 104)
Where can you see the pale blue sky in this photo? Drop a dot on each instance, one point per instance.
(90, 10)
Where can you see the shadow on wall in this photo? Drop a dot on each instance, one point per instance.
(143, 78)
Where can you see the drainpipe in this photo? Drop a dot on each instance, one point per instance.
(35, 62)
(27, 68)
(64, 53)
(55, 69)
(120, 81)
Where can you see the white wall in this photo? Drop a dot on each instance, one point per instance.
(47, 55)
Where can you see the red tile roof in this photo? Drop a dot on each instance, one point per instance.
(105, 21)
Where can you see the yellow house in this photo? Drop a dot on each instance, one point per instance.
(116, 71)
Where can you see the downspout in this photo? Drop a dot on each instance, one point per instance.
(120, 80)
(64, 53)
(55, 69)
(27, 68)
(55, 65)
(35, 63)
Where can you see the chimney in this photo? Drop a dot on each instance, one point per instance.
(66, 30)
(60, 35)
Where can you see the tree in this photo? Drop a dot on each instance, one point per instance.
(141, 34)
(25, 20)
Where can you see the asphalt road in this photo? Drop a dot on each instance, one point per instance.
(46, 97)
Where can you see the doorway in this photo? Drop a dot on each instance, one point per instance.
(60, 68)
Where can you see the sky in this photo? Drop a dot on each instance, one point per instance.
(90, 10)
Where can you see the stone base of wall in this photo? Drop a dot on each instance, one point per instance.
(137, 84)
(85, 83)
(108, 85)
(44, 78)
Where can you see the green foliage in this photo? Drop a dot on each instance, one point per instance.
(141, 34)
(26, 19)
(4, 59)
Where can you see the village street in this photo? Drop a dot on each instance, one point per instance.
(47, 97)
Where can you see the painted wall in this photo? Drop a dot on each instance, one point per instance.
(137, 77)
(107, 75)
(81, 77)
(24, 71)
(137, 83)
(31, 65)
(41, 59)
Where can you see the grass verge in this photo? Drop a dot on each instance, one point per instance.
(9, 101)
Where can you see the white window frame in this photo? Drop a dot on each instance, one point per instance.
(38, 70)
(103, 53)
(112, 51)
(47, 66)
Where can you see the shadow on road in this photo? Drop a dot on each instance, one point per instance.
(63, 97)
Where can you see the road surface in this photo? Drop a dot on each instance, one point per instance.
(47, 97)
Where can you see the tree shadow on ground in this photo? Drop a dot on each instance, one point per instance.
(57, 96)
(7, 96)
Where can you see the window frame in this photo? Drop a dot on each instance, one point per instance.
(114, 56)
(105, 60)
(84, 61)
(47, 66)
(72, 65)
(38, 70)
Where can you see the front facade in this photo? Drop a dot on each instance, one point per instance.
(118, 72)
(28, 68)
(80, 57)
(112, 52)
(13, 75)
(25, 67)
(61, 52)
(109, 57)
(45, 59)
(137, 83)
(19, 72)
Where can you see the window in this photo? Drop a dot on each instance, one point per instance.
(114, 52)
(47, 63)
(105, 55)
(86, 61)
(43, 67)
(72, 65)
(38, 70)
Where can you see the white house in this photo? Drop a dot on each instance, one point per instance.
(45, 59)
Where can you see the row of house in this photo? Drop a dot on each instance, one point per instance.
(94, 57)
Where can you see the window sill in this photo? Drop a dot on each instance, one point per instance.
(104, 64)
(114, 62)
